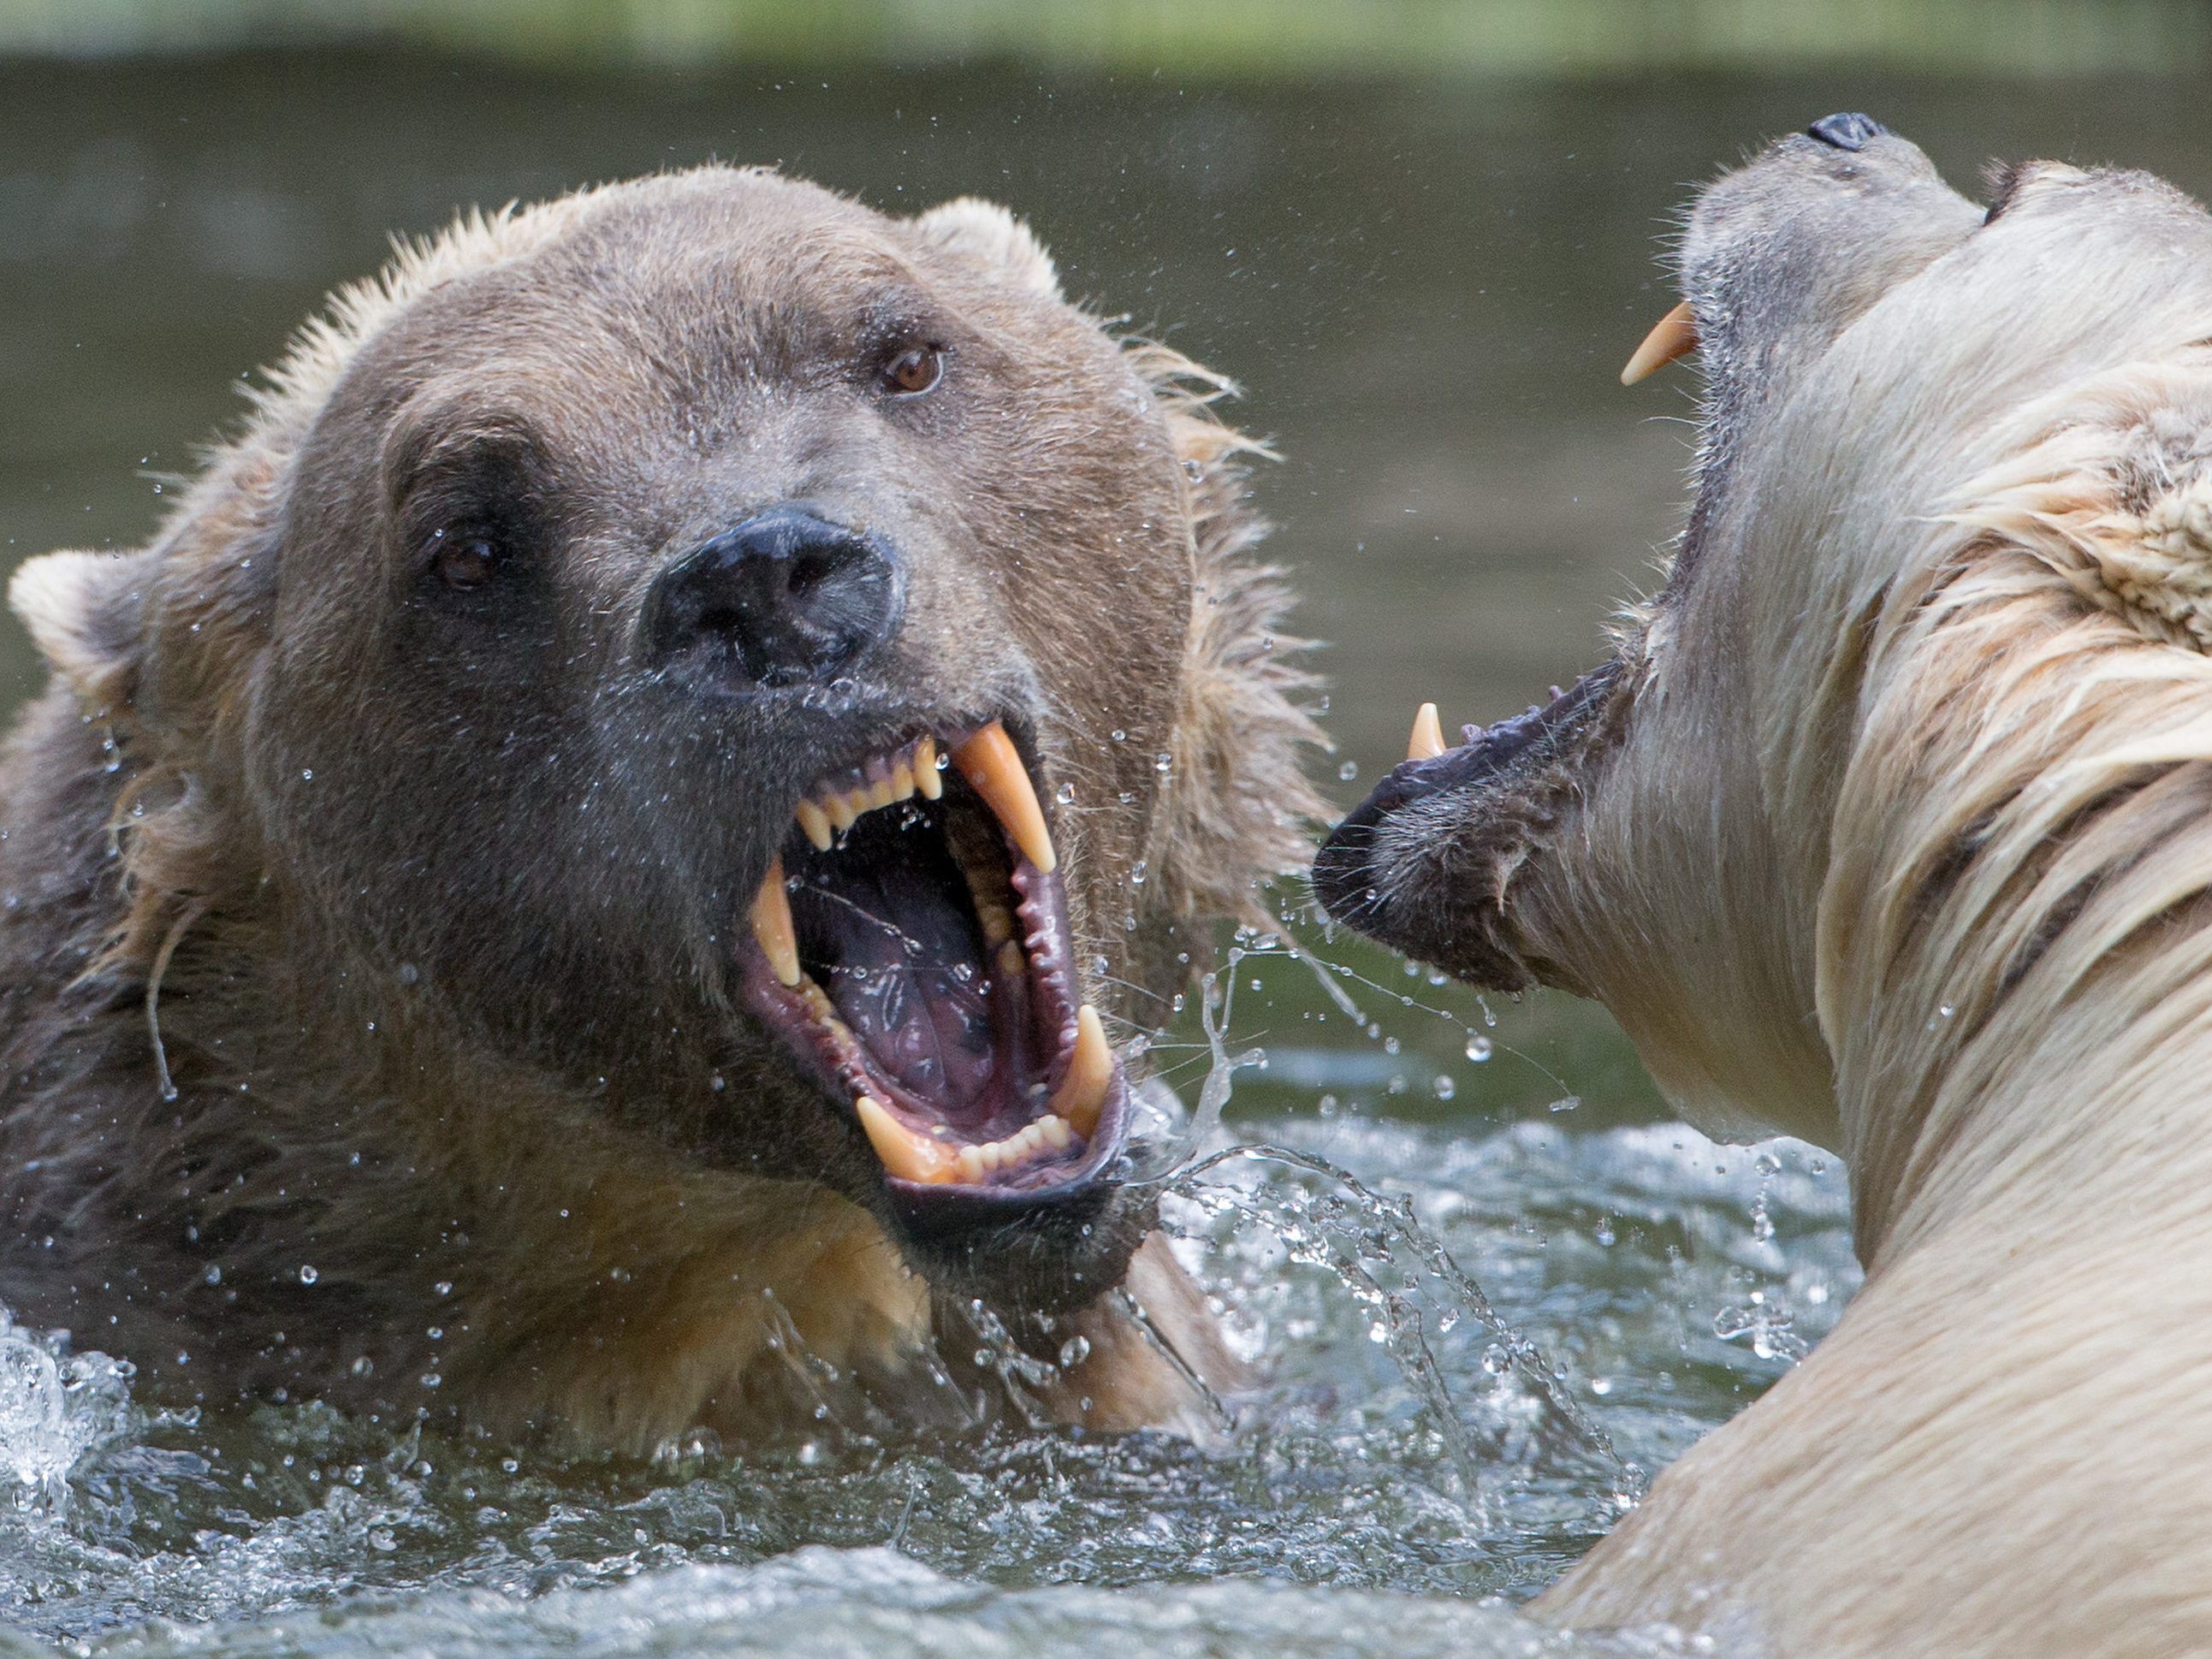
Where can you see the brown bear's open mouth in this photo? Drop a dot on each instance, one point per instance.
(911, 945)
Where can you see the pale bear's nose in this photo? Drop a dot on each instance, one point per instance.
(785, 598)
(1846, 132)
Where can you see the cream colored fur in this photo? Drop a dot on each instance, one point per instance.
(1902, 840)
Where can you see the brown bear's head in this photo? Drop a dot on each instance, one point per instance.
(775, 671)
(1901, 756)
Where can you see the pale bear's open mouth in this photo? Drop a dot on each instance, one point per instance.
(911, 946)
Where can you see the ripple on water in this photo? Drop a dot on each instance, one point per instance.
(1342, 1516)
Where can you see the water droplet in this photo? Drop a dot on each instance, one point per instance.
(1478, 1046)
(1137, 875)
(1164, 763)
(1065, 795)
(1119, 736)
(409, 973)
(1074, 1352)
(307, 1274)
(1348, 771)
(1443, 1087)
(306, 774)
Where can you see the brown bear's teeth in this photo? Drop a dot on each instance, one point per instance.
(993, 770)
(772, 925)
(883, 781)
(1082, 1093)
(909, 1156)
(989, 760)
(912, 1156)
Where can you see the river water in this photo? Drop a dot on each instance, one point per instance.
(1426, 291)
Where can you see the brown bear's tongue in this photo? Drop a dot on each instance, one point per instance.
(911, 942)
(883, 929)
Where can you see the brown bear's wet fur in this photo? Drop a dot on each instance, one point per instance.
(423, 920)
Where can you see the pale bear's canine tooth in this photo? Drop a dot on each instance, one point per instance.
(1428, 739)
(1675, 335)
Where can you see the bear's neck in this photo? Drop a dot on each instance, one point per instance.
(2014, 948)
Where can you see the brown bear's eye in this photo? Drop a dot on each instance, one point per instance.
(913, 372)
(465, 561)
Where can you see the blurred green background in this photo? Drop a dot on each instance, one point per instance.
(1422, 234)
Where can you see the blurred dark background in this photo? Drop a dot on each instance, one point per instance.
(1422, 235)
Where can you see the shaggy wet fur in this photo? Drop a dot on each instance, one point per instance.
(365, 1012)
(1887, 828)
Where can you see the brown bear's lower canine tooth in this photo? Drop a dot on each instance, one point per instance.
(1082, 1093)
(772, 926)
(993, 770)
(905, 1154)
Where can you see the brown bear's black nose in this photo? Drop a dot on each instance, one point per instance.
(785, 598)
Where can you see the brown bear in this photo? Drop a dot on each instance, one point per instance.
(1887, 825)
(592, 875)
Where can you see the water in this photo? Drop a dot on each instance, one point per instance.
(1610, 1261)
(1427, 290)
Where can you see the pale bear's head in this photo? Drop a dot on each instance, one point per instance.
(1894, 762)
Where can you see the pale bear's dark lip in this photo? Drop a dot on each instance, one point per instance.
(893, 850)
(1343, 876)
(1717, 319)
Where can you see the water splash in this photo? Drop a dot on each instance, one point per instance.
(55, 1406)
(1365, 1239)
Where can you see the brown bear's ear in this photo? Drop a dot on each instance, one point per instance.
(85, 612)
(986, 234)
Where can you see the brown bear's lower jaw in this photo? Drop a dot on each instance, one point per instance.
(910, 946)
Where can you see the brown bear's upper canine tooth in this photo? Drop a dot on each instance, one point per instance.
(995, 770)
(771, 924)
